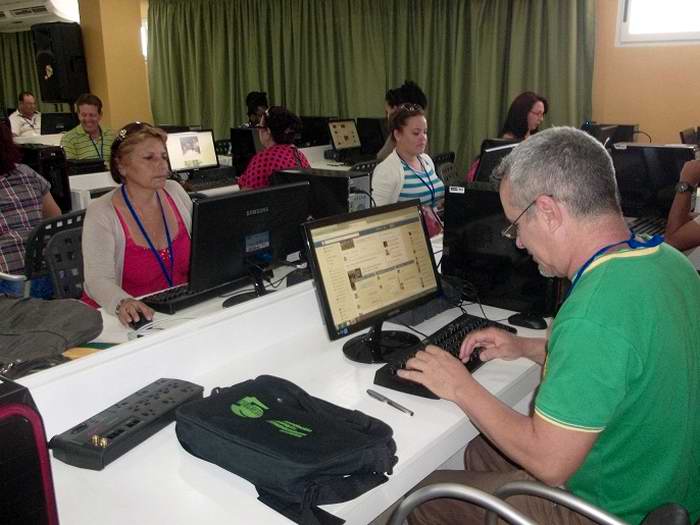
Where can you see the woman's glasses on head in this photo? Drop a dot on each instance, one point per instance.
(411, 107)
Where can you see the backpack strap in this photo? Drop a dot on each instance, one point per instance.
(305, 514)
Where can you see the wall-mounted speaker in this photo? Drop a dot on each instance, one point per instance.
(60, 61)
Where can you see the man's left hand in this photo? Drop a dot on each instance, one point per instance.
(438, 371)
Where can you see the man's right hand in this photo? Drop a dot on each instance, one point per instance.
(500, 344)
(691, 172)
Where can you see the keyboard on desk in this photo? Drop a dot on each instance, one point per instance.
(648, 225)
(449, 338)
(201, 184)
(173, 299)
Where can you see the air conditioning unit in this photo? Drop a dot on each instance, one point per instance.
(20, 15)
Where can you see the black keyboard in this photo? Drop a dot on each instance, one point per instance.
(449, 338)
(648, 225)
(208, 184)
(173, 299)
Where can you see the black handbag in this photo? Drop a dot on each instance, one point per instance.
(299, 451)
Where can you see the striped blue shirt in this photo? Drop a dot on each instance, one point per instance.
(424, 185)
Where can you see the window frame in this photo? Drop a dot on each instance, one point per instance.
(625, 38)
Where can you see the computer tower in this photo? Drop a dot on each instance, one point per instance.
(50, 163)
(332, 191)
(493, 269)
(25, 469)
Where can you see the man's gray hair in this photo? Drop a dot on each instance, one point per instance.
(567, 164)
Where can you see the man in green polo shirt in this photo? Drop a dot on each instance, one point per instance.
(88, 140)
(616, 416)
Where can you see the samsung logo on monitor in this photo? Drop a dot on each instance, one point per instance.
(257, 211)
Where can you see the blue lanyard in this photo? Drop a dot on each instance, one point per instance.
(631, 242)
(168, 275)
(100, 152)
(430, 185)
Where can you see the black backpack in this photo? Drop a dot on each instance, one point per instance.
(299, 451)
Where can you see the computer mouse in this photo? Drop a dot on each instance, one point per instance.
(135, 325)
(526, 320)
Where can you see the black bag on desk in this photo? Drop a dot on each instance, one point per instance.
(299, 451)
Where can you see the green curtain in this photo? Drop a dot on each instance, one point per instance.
(339, 57)
(18, 71)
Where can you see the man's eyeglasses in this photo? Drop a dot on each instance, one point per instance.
(511, 231)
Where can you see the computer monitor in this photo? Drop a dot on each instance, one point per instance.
(373, 133)
(314, 132)
(179, 128)
(245, 143)
(369, 266)
(689, 136)
(623, 133)
(344, 134)
(494, 270)
(603, 133)
(647, 174)
(492, 153)
(191, 150)
(237, 235)
(52, 123)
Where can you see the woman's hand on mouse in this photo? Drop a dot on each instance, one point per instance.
(130, 310)
(496, 343)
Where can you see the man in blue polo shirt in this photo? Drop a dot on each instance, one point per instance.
(615, 417)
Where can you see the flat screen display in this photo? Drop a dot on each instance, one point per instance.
(191, 150)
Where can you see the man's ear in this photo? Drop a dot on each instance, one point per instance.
(550, 211)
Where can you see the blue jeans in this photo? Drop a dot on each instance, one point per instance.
(41, 288)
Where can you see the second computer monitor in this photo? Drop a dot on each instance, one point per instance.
(231, 232)
(492, 153)
(373, 133)
(52, 123)
(344, 134)
(191, 150)
(368, 266)
(314, 132)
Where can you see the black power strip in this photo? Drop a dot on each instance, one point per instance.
(98, 441)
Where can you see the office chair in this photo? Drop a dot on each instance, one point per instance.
(689, 136)
(669, 514)
(367, 166)
(64, 257)
(222, 146)
(34, 261)
(441, 158)
(457, 491)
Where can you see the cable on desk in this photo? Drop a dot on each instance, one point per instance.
(639, 132)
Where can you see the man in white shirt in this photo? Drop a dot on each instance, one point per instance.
(26, 121)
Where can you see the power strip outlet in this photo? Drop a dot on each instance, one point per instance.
(96, 442)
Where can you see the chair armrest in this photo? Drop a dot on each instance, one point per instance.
(12, 277)
(562, 497)
(457, 491)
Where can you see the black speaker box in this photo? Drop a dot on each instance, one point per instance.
(50, 163)
(60, 61)
(25, 470)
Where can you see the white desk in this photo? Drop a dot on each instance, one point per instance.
(280, 334)
(315, 157)
(49, 140)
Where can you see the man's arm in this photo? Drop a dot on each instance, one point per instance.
(550, 452)
(681, 231)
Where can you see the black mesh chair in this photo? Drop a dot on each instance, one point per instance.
(367, 166)
(64, 257)
(222, 147)
(441, 158)
(34, 260)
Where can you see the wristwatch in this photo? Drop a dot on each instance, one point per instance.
(684, 187)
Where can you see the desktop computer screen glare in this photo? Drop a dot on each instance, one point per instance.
(368, 266)
(191, 150)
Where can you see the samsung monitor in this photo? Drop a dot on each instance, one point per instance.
(494, 270)
(647, 174)
(491, 156)
(373, 133)
(344, 134)
(191, 150)
(52, 123)
(238, 235)
(369, 266)
(314, 132)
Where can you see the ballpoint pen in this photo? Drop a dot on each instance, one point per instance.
(384, 399)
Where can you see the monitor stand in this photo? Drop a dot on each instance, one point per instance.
(257, 275)
(375, 344)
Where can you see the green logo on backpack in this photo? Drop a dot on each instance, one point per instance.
(249, 407)
(291, 429)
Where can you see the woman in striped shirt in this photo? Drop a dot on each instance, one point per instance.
(408, 173)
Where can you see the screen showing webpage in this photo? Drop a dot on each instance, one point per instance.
(344, 134)
(191, 150)
(372, 265)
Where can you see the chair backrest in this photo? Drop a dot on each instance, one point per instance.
(222, 146)
(448, 174)
(367, 166)
(441, 158)
(457, 491)
(34, 262)
(689, 136)
(64, 257)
